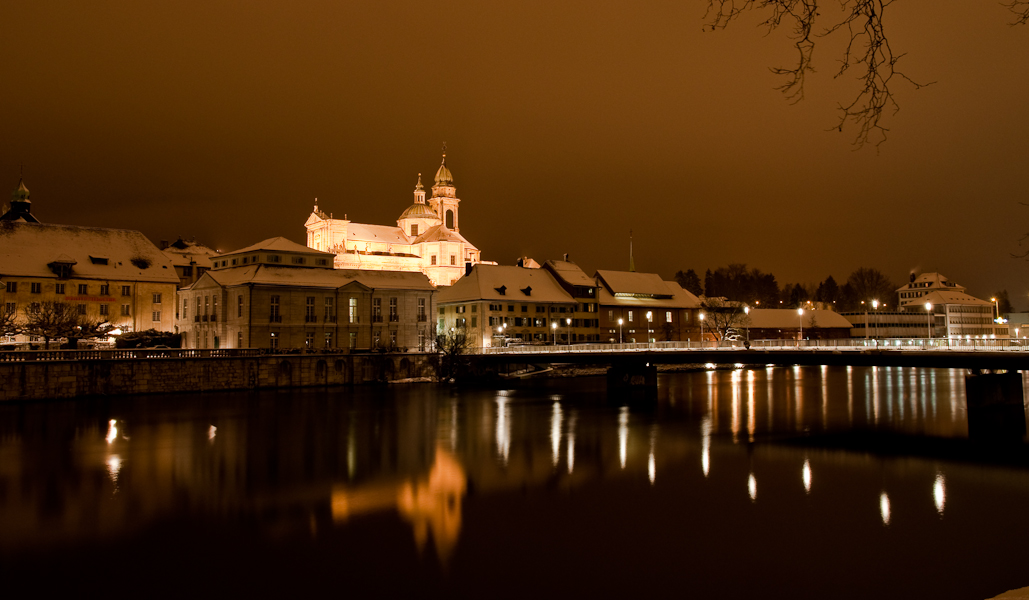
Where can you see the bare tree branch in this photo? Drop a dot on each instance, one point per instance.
(1020, 8)
(867, 48)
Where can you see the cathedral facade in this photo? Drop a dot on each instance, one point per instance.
(426, 237)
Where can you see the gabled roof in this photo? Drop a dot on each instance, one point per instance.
(787, 318)
(630, 282)
(440, 233)
(570, 273)
(505, 284)
(935, 280)
(278, 244)
(286, 276)
(28, 248)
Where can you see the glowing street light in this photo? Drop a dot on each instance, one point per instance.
(701, 330)
(569, 331)
(929, 311)
(746, 311)
(619, 331)
(875, 308)
(800, 318)
(554, 327)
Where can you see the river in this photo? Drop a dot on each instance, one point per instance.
(813, 482)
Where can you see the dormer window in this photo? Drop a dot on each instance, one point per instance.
(502, 290)
(99, 260)
(527, 290)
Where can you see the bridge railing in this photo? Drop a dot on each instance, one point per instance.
(845, 344)
(123, 354)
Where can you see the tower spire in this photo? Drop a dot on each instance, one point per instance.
(632, 265)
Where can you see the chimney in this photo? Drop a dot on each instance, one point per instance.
(566, 257)
(521, 262)
(912, 280)
(467, 268)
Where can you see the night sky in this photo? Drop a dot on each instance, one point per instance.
(567, 123)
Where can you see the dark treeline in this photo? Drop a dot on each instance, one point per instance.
(738, 283)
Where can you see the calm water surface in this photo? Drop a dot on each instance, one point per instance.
(563, 489)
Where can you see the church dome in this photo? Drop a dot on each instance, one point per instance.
(419, 211)
(22, 193)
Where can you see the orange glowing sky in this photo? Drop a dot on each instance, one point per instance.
(567, 124)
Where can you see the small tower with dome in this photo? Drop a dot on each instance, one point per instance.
(444, 195)
(418, 218)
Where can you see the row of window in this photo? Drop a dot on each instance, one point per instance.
(36, 287)
(105, 310)
(648, 316)
(531, 322)
(432, 257)
(525, 308)
(271, 258)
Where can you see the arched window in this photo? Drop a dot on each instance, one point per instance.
(450, 219)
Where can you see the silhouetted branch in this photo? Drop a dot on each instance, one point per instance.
(1020, 8)
(867, 47)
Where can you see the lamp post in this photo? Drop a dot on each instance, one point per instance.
(800, 319)
(746, 311)
(996, 308)
(929, 311)
(619, 331)
(553, 326)
(875, 308)
(701, 330)
(569, 331)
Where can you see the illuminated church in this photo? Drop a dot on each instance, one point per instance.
(426, 237)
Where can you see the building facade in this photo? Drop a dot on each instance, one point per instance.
(426, 237)
(642, 307)
(190, 258)
(279, 295)
(495, 305)
(106, 275)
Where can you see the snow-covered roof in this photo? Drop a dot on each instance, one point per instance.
(934, 280)
(28, 248)
(276, 275)
(570, 273)
(630, 282)
(278, 244)
(673, 298)
(362, 232)
(440, 233)
(506, 284)
(945, 297)
(787, 318)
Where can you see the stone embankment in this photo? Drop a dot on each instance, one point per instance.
(69, 374)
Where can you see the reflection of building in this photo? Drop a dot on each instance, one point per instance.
(279, 294)
(432, 504)
(531, 303)
(191, 259)
(651, 309)
(112, 275)
(426, 237)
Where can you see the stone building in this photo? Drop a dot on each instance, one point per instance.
(279, 294)
(426, 237)
(495, 304)
(112, 275)
(650, 309)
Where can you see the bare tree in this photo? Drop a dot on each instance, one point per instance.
(1020, 8)
(50, 320)
(451, 347)
(722, 317)
(8, 326)
(88, 327)
(870, 284)
(867, 49)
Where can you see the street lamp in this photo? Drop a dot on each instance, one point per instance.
(996, 306)
(569, 331)
(800, 319)
(701, 330)
(875, 308)
(929, 311)
(746, 311)
(553, 326)
(619, 331)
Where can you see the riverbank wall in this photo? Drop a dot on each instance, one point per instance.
(69, 378)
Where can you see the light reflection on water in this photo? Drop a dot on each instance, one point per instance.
(476, 478)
